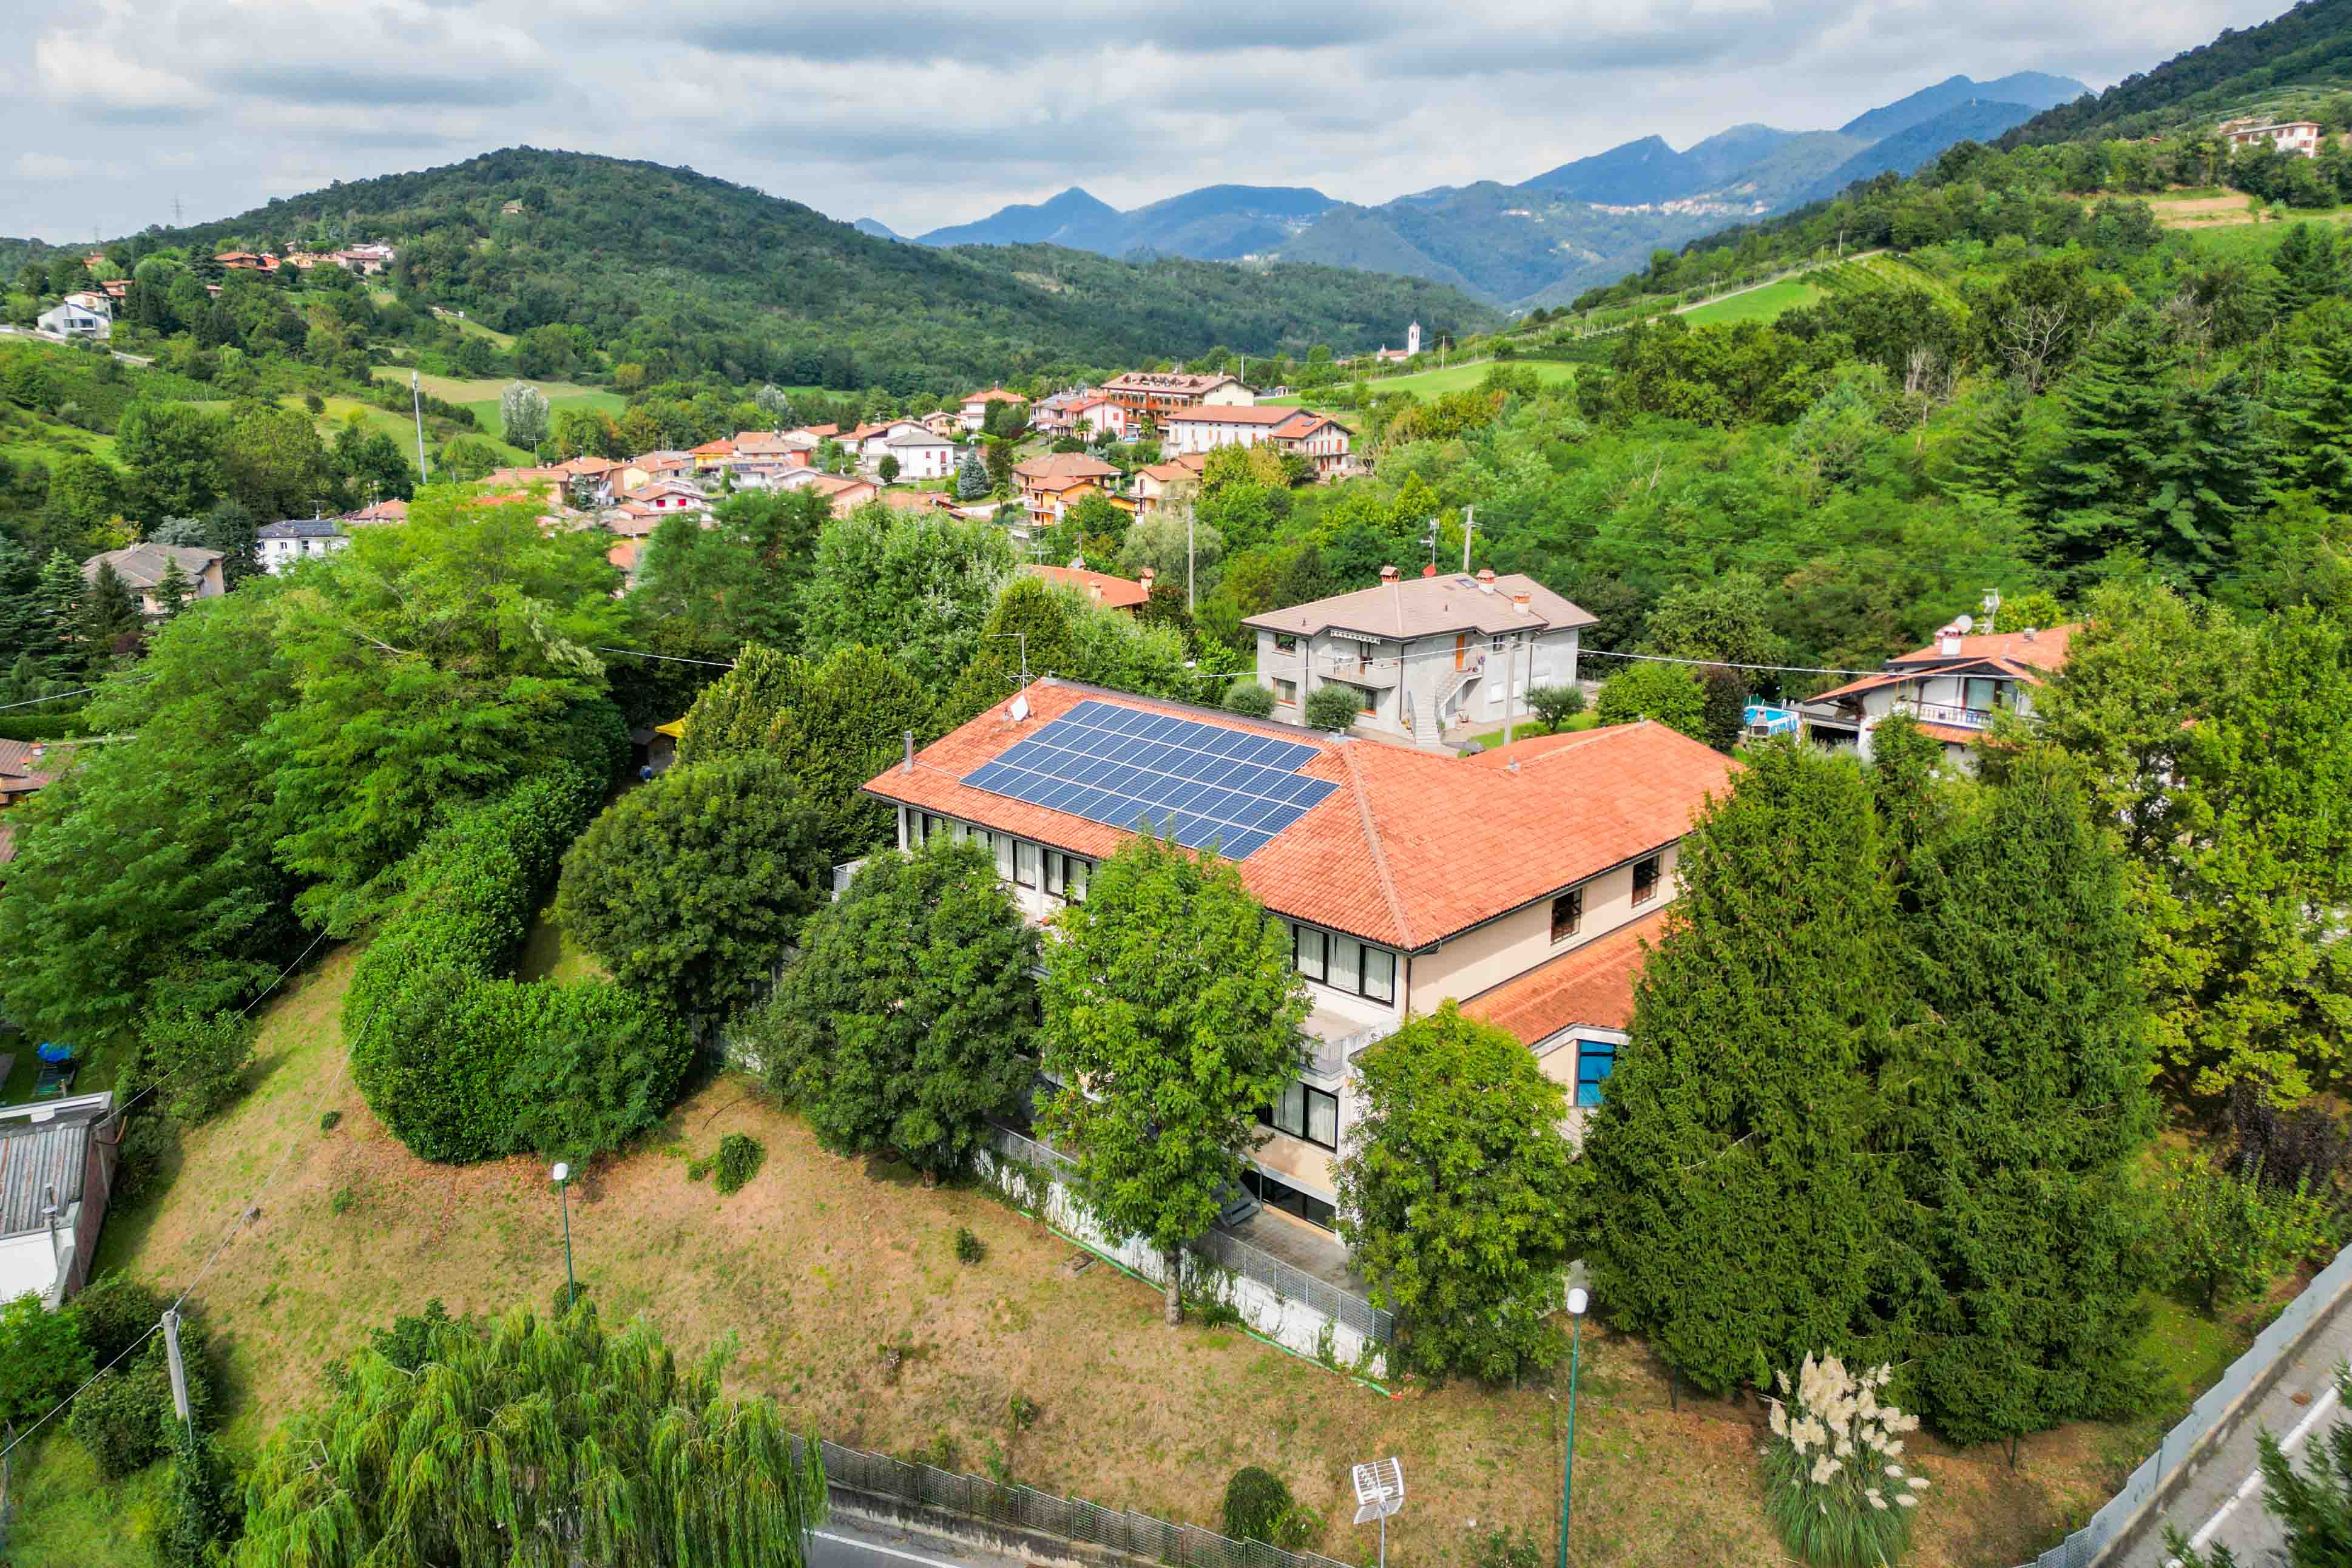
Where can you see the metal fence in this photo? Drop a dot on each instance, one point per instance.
(2175, 1449)
(1072, 1519)
(1231, 1253)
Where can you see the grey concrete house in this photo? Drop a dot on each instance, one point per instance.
(1429, 658)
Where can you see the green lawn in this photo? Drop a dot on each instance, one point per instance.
(1453, 378)
(481, 396)
(1527, 728)
(1763, 304)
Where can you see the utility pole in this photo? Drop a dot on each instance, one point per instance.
(178, 1368)
(1190, 605)
(416, 403)
(1469, 521)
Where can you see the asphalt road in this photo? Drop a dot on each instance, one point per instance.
(2222, 1505)
(850, 1543)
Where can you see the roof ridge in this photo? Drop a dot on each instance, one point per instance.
(1372, 843)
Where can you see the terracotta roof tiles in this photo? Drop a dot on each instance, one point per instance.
(1590, 987)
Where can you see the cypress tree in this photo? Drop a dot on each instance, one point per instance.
(2093, 493)
(1739, 1203)
(2024, 1107)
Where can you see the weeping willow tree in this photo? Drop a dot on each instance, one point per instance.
(534, 1444)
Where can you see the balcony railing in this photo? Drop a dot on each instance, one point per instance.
(1327, 1059)
(1381, 673)
(1946, 713)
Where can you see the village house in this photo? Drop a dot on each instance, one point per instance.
(1153, 395)
(975, 406)
(1052, 484)
(58, 1158)
(1953, 686)
(1096, 417)
(1406, 879)
(1425, 656)
(1099, 587)
(2299, 137)
(846, 493)
(712, 457)
(1051, 415)
(377, 514)
(80, 314)
(299, 539)
(652, 466)
(1151, 483)
(922, 455)
(26, 767)
(1320, 439)
(142, 569)
(939, 421)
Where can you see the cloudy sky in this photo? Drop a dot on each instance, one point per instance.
(927, 113)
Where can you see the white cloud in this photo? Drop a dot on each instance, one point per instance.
(938, 111)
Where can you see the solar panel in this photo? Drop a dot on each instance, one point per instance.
(1200, 785)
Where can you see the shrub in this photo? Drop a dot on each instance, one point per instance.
(1256, 1502)
(1832, 1484)
(1022, 1411)
(200, 1508)
(2285, 1149)
(969, 1249)
(738, 1161)
(42, 1358)
(1555, 705)
(1246, 695)
(126, 1417)
(463, 1064)
(330, 1121)
(201, 1058)
(150, 1145)
(408, 1339)
(1506, 1548)
(1332, 707)
(341, 1204)
(2229, 1236)
(114, 1311)
(1669, 693)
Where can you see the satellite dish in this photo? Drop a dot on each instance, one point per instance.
(1967, 624)
(1020, 709)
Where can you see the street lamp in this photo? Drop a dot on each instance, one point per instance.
(562, 1178)
(1577, 1302)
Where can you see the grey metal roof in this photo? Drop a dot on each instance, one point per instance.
(39, 1156)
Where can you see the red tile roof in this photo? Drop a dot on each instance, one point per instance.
(1412, 847)
(994, 395)
(1065, 465)
(1113, 593)
(1223, 413)
(2021, 656)
(1590, 987)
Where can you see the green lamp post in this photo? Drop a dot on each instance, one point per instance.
(562, 1175)
(1577, 1300)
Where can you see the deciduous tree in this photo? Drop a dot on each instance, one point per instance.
(1173, 1014)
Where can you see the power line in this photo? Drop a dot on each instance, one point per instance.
(124, 1108)
(665, 658)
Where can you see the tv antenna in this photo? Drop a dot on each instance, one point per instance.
(1380, 1492)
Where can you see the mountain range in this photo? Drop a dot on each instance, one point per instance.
(1543, 240)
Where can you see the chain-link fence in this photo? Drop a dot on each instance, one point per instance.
(2083, 1547)
(1233, 1255)
(1071, 1518)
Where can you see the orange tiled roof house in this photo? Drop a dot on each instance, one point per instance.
(1522, 884)
(1953, 686)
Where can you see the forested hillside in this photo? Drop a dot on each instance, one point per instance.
(666, 266)
(2239, 73)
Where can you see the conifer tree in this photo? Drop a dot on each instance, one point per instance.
(173, 589)
(1740, 1199)
(735, 712)
(60, 597)
(108, 614)
(2316, 408)
(2025, 1109)
(1987, 461)
(2216, 473)
(972, 476)
(20, 603)
(2310, 262)
(2094, 493)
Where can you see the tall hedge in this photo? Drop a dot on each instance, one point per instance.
(463, 1062)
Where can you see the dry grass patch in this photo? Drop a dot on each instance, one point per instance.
(839, 1282)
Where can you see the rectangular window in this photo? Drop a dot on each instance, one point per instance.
(1286, 691)
(1003, 843)
(1567, 915)
(1645, 879)
(1595, 1059)
(1284, 643)
(1026, 858)
(1277, 1194)
(1309, 951)
(1983, 695)
(1346, 962)
(1305, 1112)
(1380, 975)
(1056, 872)
(1079, 871)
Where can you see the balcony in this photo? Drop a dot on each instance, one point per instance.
(1331, 1039)
(1946, 713)
(1380, 674)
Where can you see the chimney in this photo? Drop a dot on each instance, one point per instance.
(1388, 574)
(909, 764)
(1951, 644)
(1523, 603)
(2029, 634)
(1485, 579)
(1143, 579)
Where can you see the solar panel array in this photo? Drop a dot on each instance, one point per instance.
(1197, 784)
